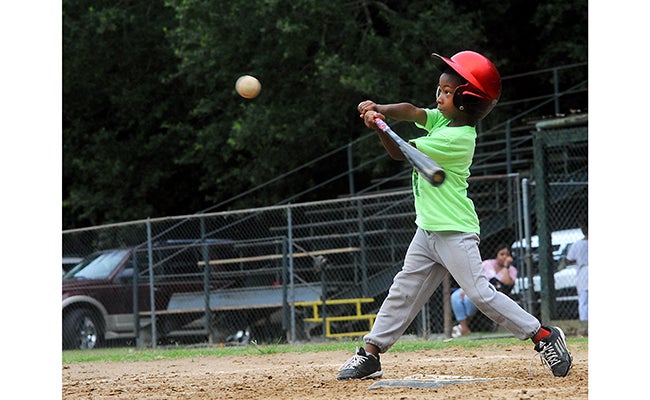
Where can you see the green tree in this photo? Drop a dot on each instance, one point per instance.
(152, 125)
(118, 158)
(316, 60)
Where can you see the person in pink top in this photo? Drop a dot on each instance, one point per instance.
(501, 274)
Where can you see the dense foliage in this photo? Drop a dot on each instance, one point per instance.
(152, 125)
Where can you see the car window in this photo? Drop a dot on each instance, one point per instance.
(70, 262)
(98, 266)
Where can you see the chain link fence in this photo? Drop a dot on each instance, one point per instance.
(310, 271)
(555, 205)
(255, 274)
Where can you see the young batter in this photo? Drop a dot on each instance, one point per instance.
(447, 234)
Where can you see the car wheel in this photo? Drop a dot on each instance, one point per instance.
(81, 330)
(223, 325)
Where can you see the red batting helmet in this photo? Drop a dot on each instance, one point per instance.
(483, 88)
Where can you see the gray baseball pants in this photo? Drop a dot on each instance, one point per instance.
(428, 258)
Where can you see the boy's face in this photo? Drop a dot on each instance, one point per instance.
(502, 256)
(445, 96)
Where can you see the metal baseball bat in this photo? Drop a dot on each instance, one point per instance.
(426, 167)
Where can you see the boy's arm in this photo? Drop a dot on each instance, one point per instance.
(397, 111)
(571, 257)
(403, 112)
(400, 111)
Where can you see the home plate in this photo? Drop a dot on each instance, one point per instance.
(426, 381)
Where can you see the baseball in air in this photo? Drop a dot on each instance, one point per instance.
(248, 86)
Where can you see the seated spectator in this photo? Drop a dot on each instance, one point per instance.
(501, 274)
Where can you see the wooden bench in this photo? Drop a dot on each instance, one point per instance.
(243, 298)
(335, 236)
(342, 222)
(267, 257)
(358, 316)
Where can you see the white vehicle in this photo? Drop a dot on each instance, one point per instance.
(560, 240)
(565, 277)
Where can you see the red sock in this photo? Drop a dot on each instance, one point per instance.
(541, 334)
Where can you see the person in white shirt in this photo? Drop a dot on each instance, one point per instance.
(579, 254)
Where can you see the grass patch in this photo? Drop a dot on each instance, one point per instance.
(129, 354)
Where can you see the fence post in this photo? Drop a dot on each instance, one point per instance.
(292, 293)
(543, 232)
(136, 313)
(446, 304)
(362, 246)
(286, 324)
(528, 257)
(206, 282)
(152, 297)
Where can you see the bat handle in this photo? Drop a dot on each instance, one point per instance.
(381, 124)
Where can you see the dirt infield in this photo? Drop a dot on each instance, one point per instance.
(508, 371)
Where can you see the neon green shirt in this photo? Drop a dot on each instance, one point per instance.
(446, 207)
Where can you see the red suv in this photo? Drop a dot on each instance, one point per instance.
(98, 300)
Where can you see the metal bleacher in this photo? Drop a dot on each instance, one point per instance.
(386, 228)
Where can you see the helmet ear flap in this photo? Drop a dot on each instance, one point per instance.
(472, 102)
(459, 100)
